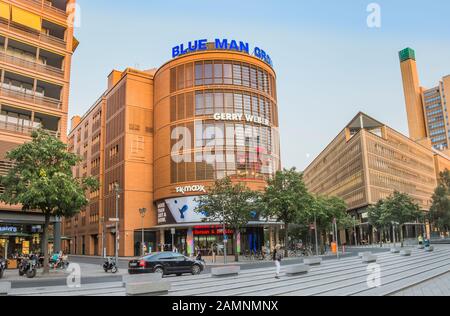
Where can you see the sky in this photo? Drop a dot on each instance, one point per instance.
(330, 64)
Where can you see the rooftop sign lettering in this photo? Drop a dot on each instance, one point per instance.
(220, 44)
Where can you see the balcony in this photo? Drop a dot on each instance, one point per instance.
(25, 130)
(31, 33)
(31, 98)
(50, 7)
(49, 70)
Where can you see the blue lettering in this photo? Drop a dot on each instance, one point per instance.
(175, 51)
(263, 55)
(202, 44)
(193, 48)
(183, 51)
(234, 45)
(221, 44)
(257, 52)
(244, 47)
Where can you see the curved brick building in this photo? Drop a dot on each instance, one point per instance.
(208, 113)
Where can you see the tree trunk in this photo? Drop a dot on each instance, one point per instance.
(286, 240)
(236, 254)
(45, 244)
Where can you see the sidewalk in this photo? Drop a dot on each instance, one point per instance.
(87, 271)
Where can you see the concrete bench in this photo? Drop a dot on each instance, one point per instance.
(141, 278)
(297, 269)
(362, 254)
(395, 250)
(147, 288)
(225, 271)
(314, 261)
(5, 288)
(369, 258)
(429, 249)
(405, 253)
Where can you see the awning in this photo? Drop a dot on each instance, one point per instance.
(5, 11)
(26, 18)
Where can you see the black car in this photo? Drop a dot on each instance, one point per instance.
(166, 263)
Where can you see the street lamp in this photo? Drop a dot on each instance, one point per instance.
(117, 193)
(142, 211)
(225, 238)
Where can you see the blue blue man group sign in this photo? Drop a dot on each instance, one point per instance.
(220, 44)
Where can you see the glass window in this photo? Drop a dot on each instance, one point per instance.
(199, 103)
(237, 75)
(253, 78)
(198, 73)
(209, 104)
(255, 105)
(260, 80)
(245, 75)
(238, 103)
(218, 72)
(247, 105)
(189, 75)
(208, 73)
(228, 102)
(218, 102)
(180, 77)
(227, 73)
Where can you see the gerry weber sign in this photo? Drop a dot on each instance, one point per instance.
(241, 117)
(191, 188)
(220, 44)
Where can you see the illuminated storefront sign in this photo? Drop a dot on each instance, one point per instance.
(241, 117)
(220, 44)
(8, 229)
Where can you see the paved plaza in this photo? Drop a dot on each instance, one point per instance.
(421, 274)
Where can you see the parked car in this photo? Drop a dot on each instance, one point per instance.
(166, 263)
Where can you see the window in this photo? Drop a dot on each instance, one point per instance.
(114, 151)
(227, 73)
(218, 72)
(208, 73)
(198, 73)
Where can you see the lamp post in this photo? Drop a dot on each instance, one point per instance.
(225, 238)
(142, 211)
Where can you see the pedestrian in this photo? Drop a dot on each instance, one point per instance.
(420, 240)
(277, 260)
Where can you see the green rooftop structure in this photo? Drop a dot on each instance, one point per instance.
(407, 53)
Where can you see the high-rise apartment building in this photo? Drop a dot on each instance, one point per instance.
(36, 47)
(426, 107)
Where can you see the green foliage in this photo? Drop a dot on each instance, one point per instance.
(440, 210)
(326, 209)
(230, 203)
(41, 180)
(286, 197)
(399, 208)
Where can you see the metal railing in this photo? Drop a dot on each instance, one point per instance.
(53, 71)
(26, 130)
(26, 31)
(47, 6)
(44, 101)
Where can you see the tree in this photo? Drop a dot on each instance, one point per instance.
(233, 204)
(398, 208)
(41, 180)
(287, 199)
(323, 210)
(440, 210)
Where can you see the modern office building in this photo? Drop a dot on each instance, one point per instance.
(426, 107)
(368, 161)
(164, 136)
(36, 47)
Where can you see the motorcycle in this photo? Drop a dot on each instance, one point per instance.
(110, 265)
(62, 263)
(28, 267)
(2, 267)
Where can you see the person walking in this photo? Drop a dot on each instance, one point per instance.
(420, 240)
(277, 260)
